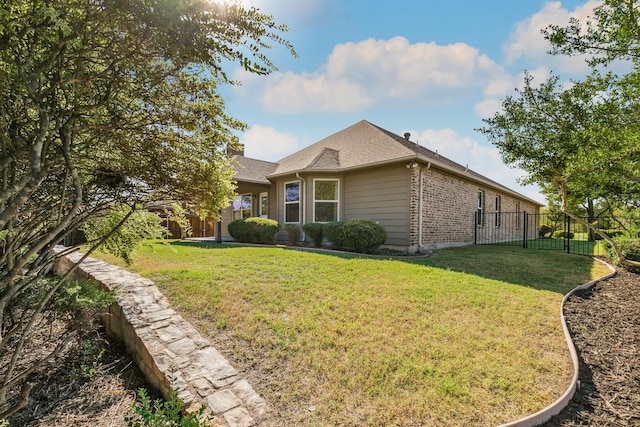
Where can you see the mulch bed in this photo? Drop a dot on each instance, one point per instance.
(93, 384)
(605, 323)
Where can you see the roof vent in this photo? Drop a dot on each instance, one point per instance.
(407, 135)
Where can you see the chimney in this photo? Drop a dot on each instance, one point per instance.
(407, 135)
(236, 151)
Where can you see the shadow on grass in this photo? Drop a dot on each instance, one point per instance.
(539, 269)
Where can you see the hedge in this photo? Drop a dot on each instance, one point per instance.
(253, 230)
(314, 231)
(358, 235)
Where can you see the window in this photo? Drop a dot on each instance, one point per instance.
(517, 215)
(480, 211)
(498, 208)
(325, 200)
(292, 202)
(263, 205)
(241, 206)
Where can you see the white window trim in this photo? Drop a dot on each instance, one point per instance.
(299, 202)
(498, 217)
(337, 201)
(242, 210)
(480, 199)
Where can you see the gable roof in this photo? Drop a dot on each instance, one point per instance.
(364, 145)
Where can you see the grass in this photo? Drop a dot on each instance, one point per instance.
(578, 245)
(469, 336)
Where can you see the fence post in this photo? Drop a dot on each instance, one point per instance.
(525, 223)
(568, 244)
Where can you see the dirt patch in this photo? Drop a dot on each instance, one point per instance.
(605, 323)
(93, 384)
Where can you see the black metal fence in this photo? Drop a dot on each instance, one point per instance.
(541, 231)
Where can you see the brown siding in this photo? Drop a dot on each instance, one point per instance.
(380, 195)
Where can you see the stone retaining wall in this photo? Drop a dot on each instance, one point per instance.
(168, 350)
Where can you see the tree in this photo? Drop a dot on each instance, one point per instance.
(579, 143)
(612, 34)
(104, 104)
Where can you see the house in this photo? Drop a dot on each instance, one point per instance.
(421, 198)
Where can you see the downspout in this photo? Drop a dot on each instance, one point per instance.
(421, 206)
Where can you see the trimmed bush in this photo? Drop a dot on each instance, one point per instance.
(363, 235)
(239, 230)
(334, 232)
(314, 231)
(253, 230)
(563, 235)
(293, 233)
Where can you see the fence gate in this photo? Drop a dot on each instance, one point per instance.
(540, 231)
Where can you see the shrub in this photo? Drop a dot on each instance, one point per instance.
(563, 235)
(314, 231)
(334, 232)
(363, 235)
(629, 247)
(140, 226)
(253, 230)
(264, 229)
(293, 233)
(239, 230)
(169, 413)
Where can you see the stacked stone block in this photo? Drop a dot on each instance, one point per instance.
(168, 349)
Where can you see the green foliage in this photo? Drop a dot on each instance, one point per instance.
(161, 413)
(293, 233)
(178, 214)
(253, 230)
(140, 226)
(91, 358)
(314, 231)
(630, 248)
(359, 235)
(82, 296)
(239, 230)
(563, 235)
(109, 103)
(363, 235)
(334, 232)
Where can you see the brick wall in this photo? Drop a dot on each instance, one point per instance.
(448, 206)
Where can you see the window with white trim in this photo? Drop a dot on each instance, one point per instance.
(517, 215)
(498, 209)
(480, 210)
(292, 202)
(241, 206)
(325, 200)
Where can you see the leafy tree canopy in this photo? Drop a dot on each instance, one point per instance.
(105, 103)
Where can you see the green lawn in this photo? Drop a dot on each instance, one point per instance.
(469, 336)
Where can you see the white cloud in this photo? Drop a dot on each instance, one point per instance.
(266, 143)
(528, 43)
(485, 160)
(375, 72)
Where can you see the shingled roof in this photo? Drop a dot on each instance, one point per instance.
(360, 146)
(253, 170)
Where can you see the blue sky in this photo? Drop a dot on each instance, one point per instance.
(433, 68)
